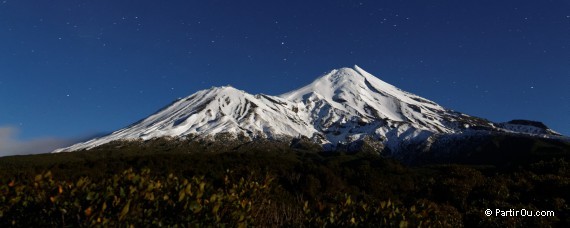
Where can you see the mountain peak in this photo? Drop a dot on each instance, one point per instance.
(349, 71)
(224, 88)
(355, 92)
(352, 80)
(326, 84)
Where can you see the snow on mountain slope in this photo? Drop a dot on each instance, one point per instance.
(338, 108)
(351, 98)
(213, 111)
(527, 126)
(353, 93)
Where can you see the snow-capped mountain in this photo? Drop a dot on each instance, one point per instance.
(341, 107)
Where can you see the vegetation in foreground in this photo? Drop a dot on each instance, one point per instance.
(165, 183)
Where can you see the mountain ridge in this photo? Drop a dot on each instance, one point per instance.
(343, 106)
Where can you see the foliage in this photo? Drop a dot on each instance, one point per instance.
(140, 198)
(170, 184)
(132, 198)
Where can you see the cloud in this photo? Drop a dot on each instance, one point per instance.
(11, 145)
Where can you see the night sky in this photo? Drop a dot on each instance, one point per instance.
(71, 69)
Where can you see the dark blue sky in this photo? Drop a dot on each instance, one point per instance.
(73, 68)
